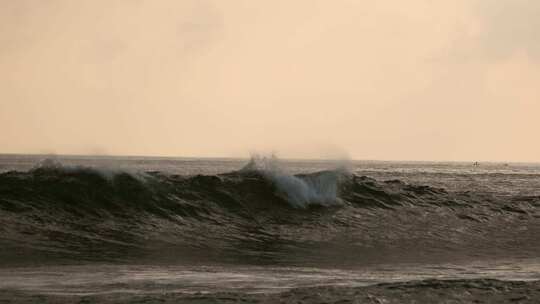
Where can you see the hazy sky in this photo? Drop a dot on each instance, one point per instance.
(402, 80)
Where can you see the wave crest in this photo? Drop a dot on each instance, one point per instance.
(300, 191)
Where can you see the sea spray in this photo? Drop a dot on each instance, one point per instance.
(299, 191)
(106, 172)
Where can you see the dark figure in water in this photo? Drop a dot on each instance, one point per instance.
(476, 164)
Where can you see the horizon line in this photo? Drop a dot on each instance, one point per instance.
(247, 158)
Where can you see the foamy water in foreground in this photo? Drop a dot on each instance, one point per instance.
(103, 279)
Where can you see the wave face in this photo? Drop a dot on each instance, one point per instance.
(259, 214)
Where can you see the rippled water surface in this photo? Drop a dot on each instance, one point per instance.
(86, 225)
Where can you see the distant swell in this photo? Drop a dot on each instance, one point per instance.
(256, 214)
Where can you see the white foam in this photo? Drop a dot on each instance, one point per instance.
(315, 189)
(107, 173)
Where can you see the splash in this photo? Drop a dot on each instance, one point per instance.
(299, 191)
(108, 173)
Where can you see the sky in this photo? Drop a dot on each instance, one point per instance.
(387, 80)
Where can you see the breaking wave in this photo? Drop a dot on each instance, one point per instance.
(300, 191)
(259, 212)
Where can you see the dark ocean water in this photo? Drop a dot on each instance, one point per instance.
(94, 225)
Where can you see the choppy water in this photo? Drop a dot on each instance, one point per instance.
(102, 224)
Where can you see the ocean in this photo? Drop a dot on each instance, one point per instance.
(124, 229)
